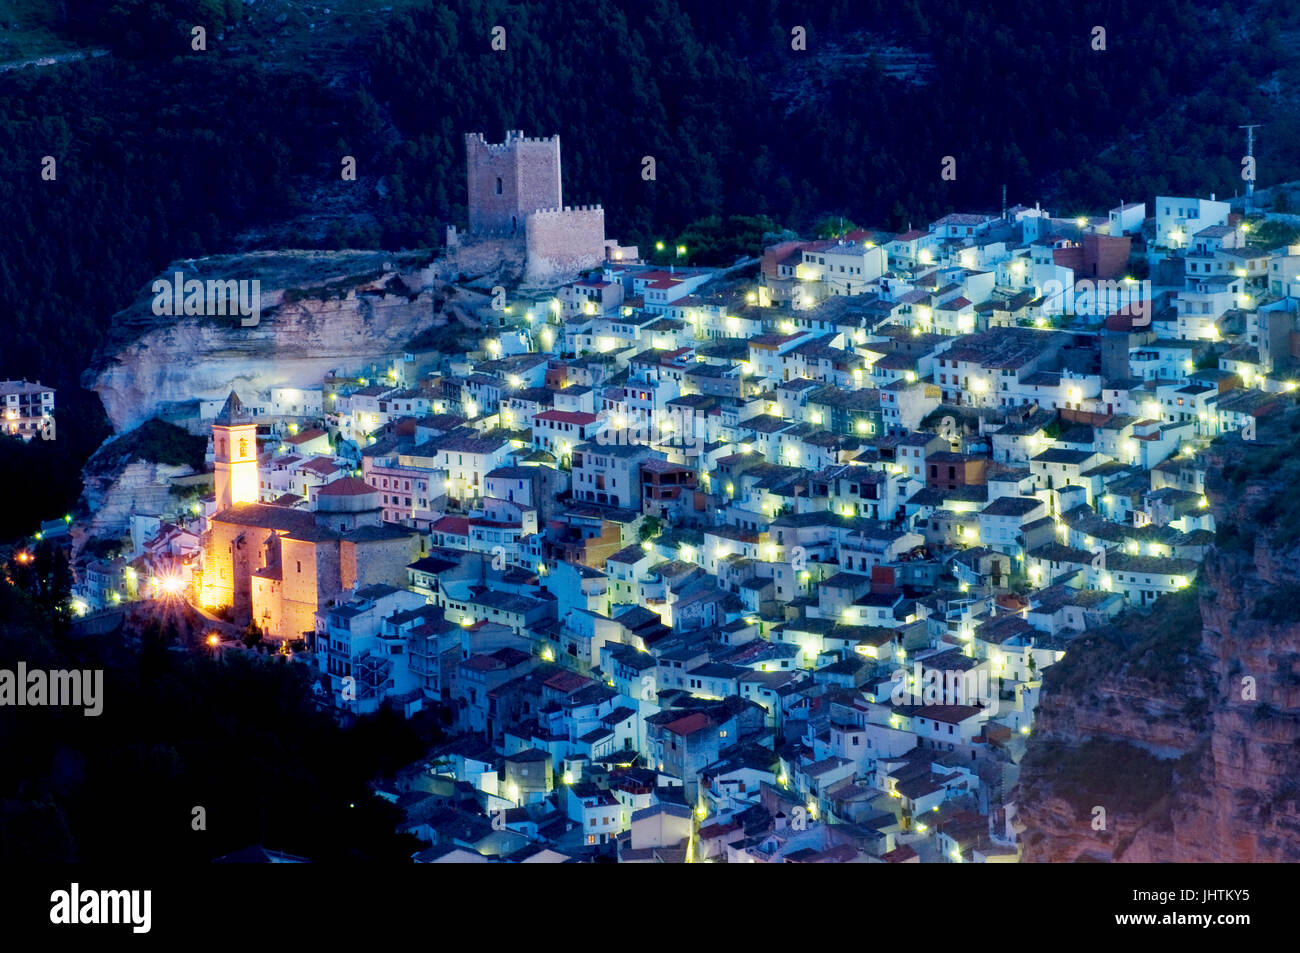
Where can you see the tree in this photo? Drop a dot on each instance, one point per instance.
(252, 635)
(833, 226)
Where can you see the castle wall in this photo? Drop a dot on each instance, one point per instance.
(561, 242)
(503, 257)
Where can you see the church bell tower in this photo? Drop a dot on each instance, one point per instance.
(234, 445)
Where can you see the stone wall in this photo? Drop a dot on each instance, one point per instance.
(563, 242)
(303, 588)
(498, 260)
(380, 561)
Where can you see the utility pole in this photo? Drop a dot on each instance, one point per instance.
(1250, 154)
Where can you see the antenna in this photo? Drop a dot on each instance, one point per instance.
(1250, 154)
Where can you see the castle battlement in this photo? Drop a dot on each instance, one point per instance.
(514, 138)
(568, 210)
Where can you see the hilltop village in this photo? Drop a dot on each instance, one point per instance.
(752, 564)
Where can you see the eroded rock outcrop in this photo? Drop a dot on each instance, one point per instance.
(141, 487)
(1184, 727)
(319, 311)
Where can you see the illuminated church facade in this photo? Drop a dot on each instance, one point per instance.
(277, 565)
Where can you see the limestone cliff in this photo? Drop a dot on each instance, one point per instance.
(319, 311)
(141, 487)
(1184, 725)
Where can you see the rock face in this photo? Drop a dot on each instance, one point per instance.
(319, 312)
(140, 487)
(1189, 740)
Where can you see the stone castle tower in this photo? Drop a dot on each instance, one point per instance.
(517, 215)
(234, 446)
(509, 180)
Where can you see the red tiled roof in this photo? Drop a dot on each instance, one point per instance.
(696, 721)
(347, 486)
(567, 682)
(718, 830)
(321, 465)
(306, 435)
(456, 525)
(899, 854)
(567, 417)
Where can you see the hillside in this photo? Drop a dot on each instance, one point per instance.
(160, 157)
